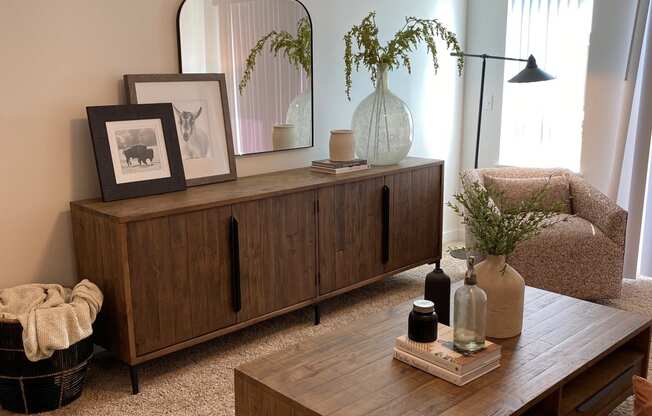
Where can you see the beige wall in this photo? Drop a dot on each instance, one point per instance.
(60, 56)
(57, 57)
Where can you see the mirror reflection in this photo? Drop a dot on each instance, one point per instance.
(264, 47)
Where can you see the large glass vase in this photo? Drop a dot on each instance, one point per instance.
(382, 125)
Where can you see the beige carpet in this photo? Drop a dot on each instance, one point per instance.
(199, 381)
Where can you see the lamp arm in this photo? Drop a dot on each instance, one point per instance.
(485, 56)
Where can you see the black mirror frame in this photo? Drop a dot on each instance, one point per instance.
(312, 79)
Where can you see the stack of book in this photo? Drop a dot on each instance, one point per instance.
(440, 359)
(334, 168)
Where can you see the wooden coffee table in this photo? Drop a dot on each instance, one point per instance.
(573, 358)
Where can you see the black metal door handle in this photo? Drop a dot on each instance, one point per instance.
(385, 236)
(236, 296)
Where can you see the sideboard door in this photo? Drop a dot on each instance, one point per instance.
(180, 277)
(276, 253)
(350, 233)
(415, 210)
(209, 269)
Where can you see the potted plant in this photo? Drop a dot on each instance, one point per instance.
(382, 123)
(496, 233)
(297, 49)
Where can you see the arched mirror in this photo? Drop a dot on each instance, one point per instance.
(264, 47)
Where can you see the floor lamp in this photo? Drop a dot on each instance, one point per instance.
(531, 73)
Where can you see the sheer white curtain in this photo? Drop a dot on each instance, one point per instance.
(274, 82)
(542, 121)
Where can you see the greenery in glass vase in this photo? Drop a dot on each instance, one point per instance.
(297, 49)
(498, 231)
(396, 52)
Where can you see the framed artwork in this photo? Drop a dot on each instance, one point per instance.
(201, 113)
(136, 150)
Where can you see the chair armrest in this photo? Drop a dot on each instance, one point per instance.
(595, 207)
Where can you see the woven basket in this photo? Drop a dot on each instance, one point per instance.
(32, 387)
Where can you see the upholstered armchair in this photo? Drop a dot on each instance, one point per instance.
(581, 256)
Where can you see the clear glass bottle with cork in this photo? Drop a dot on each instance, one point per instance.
(470, 313)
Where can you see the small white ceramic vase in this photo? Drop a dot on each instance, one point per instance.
(284, 136)
(342, 145)
(505, 289)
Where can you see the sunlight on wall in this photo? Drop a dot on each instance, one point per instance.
(437, 99)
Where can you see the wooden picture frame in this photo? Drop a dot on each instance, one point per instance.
(136, 150)
(201, 117)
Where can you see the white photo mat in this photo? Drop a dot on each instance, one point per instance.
(145, 138)
(200, 158)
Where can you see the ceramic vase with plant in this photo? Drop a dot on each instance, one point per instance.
(297, 49)
(496, 233)
(382, 123)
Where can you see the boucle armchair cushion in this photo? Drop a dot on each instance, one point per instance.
(515, 190)
(572, 257)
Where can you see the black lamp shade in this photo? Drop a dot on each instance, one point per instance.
(531, 73)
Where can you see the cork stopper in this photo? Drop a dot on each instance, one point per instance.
(470, 278)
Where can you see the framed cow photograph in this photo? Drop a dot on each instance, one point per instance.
(201, 114)
(136, 150)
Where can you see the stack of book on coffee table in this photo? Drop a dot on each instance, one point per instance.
(334, 168)
(440, 359)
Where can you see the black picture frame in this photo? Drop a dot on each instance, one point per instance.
(99, 116)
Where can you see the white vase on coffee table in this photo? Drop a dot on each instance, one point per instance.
(505, 289)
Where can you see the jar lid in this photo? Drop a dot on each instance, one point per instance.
(423, 306)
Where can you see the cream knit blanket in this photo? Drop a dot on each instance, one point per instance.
(53, 318)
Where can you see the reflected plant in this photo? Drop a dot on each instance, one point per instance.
(297, 49)
(395, 53)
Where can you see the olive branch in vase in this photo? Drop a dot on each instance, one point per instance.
(363, 48)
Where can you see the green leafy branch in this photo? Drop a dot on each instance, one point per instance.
(297, 49)
(496, 231)
(371, 55)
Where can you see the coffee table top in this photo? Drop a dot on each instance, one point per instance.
(350, 371)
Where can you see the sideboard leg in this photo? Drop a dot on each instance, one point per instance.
(133, 372)
(317, 315)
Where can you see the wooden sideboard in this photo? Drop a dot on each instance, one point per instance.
(182, 268)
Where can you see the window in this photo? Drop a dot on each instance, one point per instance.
(542, 121)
